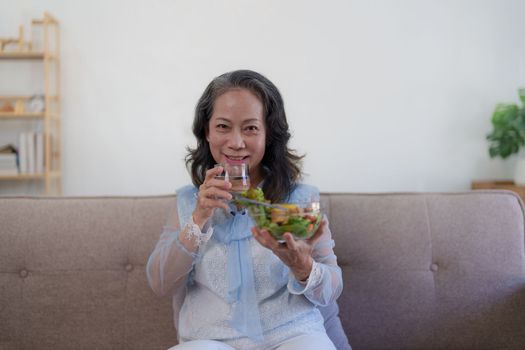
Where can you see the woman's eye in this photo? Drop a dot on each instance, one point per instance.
(252, 128)
(222, 126)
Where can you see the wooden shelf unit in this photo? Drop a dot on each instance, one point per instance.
(50, 117)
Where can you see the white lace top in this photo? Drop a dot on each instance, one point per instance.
(200, 282)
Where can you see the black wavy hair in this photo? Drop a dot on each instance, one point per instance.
(281, 166)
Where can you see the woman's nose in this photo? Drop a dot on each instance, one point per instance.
(236, 141)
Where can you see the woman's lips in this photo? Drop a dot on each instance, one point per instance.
(236, 160)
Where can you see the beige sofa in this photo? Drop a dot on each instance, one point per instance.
(421, 271)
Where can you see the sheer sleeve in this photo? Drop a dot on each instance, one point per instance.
(325, 283)
(170, 262)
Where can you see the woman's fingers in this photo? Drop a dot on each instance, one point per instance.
(317, 235)
(210, 180)
(211, 173)
(212, 194)
(210, 203)
(257, 235)
(217, 183)
(215, 193)
(265, 239)
(290, 241)
(295, 254)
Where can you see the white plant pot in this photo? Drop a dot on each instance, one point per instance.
(519, 174)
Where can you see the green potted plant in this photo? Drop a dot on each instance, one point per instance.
(508, 134)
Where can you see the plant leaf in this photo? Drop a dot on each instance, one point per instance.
(508, 134)
(504, 113)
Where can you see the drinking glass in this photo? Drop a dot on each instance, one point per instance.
(237, 174)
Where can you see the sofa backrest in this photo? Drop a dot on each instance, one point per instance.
(420, 271)
(431, 271)
(73, 274)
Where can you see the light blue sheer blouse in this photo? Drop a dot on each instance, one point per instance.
(234, 290)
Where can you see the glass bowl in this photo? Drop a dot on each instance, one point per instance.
(300, 219)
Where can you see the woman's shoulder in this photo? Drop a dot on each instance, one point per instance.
(186, 192)
(304, 193)
(186, 199)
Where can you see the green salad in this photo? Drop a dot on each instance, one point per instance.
(301, 219)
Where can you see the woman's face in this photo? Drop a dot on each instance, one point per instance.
(236, 131)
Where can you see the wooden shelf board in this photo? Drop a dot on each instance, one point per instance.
(27, 115)
(499, 185)
(25, 177)
(21, 55)
(48, 18)
(14, 97)
(477, 185)
(26, 97)
(22, 177)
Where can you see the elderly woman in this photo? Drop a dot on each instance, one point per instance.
(234, 286)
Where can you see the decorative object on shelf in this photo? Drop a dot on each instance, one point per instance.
(7, 107)
(36, 103)
(15, 44)
(19, 106)
(8, 160)
(508, 134)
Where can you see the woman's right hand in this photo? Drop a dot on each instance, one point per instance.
(212, 194)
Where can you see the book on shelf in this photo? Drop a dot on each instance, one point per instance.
(22, 153)
(30, 144)
(31, 153)
(39, 153)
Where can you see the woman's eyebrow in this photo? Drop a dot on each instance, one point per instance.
(251, 120)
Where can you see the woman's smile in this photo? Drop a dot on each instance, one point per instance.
(236, 159)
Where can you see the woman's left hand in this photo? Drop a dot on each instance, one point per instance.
(296, 254)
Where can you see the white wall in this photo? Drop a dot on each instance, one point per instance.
(381, 95)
